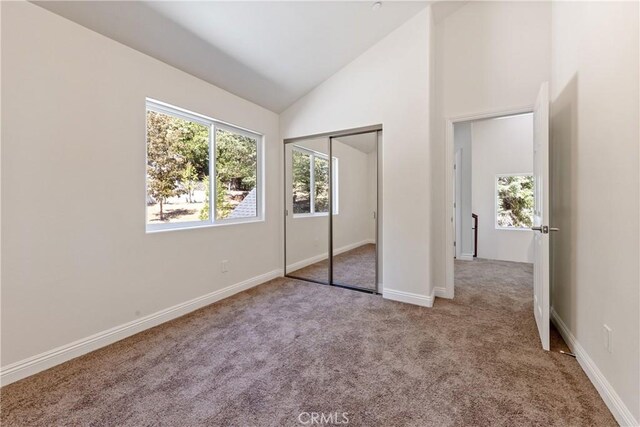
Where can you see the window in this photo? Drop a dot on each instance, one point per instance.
(311, 183)
(514, 201)
(180, 148)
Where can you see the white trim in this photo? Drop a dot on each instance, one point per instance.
(448, 179)
(306, 262)
(311, 215)
(213, 125)
(623, 416)
(354, 245)
(497, 207)
(164, 107)
(33, 365)
(466, 257)
(194, 225)
(457, 201)
(317, 258)
(312, 181)
(409, 297)
(441, 292)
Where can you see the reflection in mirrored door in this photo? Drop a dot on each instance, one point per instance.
(354, 223)
(307, 209)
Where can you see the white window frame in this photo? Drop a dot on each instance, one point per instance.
(497, 207)
(312, 182)
(213, 125)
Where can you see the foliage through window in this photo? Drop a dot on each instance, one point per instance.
(321, 188)
(180, 147)
(237, 174)
(515, 201)
(311, 182)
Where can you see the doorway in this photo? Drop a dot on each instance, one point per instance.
(460, 228)
(505, 215)
(494, 189)
(331, 211)
(493, 206)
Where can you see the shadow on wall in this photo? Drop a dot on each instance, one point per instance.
(563, 150)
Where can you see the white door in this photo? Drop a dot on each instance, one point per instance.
(541, 228)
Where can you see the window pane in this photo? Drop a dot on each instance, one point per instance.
(177, 169)
(237, 175)
(321, 177)
(301, 165)
(515, 201)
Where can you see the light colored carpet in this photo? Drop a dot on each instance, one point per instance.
(262, 357)
(356, 267)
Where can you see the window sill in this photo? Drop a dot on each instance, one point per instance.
(161, 228)
(314, 215)
(512, 229)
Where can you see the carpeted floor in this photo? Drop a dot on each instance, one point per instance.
(262, 357)
(356, 267)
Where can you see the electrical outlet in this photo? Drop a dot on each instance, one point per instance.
(607, 335)
(224, 266)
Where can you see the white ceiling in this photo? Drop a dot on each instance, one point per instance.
(269, 52)
(365, 142)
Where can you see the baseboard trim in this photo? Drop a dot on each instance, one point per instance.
(312, 260)
(441, 292)
(306, 262)
(408, 297)
(466, 257)
(623, 416)
(32, 365)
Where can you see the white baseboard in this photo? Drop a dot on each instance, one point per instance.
(306, 262)
(441, 292)
(408, 297)
(317, 258)
(32, 365)
(623, 416)
(466, 257)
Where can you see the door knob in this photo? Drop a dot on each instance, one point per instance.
(537, 229)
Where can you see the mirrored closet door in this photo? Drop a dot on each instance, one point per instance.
(354, 220)
(307, 208)
(331, 209)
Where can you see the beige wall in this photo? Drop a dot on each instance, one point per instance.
(388, 85)
(354, 223)
(76, 260)
(595, 185)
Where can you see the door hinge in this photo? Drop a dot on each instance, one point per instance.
(286, 212)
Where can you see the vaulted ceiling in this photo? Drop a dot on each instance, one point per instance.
(271, 53)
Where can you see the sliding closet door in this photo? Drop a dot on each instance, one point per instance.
(307, 210)
(354, 210)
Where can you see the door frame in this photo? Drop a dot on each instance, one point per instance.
(448, 291)
(457, 202)
(378, 130)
